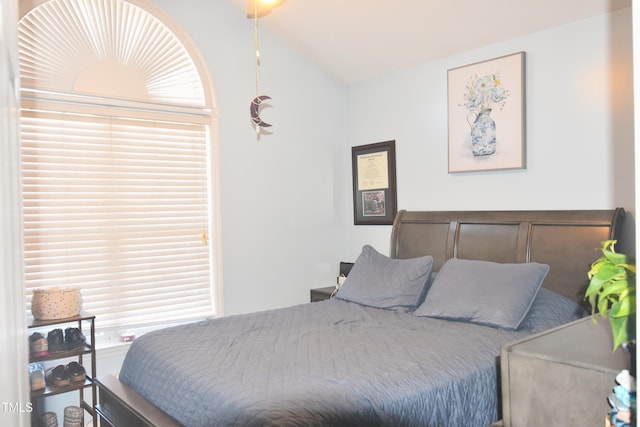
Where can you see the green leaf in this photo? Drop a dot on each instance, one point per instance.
(624, 307)
(594, 286)
(596, 266)
(614, 257)
(592, 303)
(619, 328)
(609, 271)
(614, 309)
(603, 306)
(630, 267)
(614, 289)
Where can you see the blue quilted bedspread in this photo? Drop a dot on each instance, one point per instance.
(329, 363)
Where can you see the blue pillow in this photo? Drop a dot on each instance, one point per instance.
(550, 309)
(484, 292)
(379, 281)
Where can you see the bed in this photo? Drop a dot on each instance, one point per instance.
(412, 339)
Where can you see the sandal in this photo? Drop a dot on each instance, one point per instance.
(59, 376)
(76, 372)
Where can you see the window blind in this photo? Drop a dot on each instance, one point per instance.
(118, 206)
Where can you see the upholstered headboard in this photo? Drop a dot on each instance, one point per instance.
(566, 240)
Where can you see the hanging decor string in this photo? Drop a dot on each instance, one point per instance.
(255, 40)
(254, 109)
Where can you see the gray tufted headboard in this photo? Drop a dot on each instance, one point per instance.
(566, 240)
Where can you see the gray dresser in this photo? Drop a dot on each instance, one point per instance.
(560, 377)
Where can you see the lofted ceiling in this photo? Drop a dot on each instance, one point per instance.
(354, 40)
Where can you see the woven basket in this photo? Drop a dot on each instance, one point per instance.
(56, 303)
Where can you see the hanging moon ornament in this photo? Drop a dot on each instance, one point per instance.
(255, 112)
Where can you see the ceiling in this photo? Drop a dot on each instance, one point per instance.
(354, 40)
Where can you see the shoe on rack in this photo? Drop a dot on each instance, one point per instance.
(36, 376)
(55, 340)
(74, 338)
(38, 345)
(76, 372)
(59, 376)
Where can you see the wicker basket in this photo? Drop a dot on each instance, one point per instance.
(56, 303)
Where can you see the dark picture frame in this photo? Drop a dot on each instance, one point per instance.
(374, 183)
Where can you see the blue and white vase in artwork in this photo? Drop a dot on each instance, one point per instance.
(483, 134)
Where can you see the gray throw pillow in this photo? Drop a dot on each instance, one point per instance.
(379, 281)
(484, 292)
(550, 309)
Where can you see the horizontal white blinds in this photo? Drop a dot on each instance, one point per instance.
(106, 48)
(118, 207)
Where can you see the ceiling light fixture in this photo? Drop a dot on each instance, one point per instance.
(261, 8)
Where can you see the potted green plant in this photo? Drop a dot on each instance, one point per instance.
(612, 292)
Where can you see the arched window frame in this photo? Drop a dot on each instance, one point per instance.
(40, 95)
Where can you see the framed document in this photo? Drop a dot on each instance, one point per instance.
(374, 183)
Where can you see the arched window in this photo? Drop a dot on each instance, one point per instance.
(118, 121)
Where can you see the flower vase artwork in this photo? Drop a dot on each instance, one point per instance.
(481, 95)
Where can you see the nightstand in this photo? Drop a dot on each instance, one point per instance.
(561, 376)
(321, 294)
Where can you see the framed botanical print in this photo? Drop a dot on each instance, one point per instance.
(486, 115)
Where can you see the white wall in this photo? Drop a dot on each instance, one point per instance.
(287, 216)
(282, 196)
(579, 127)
